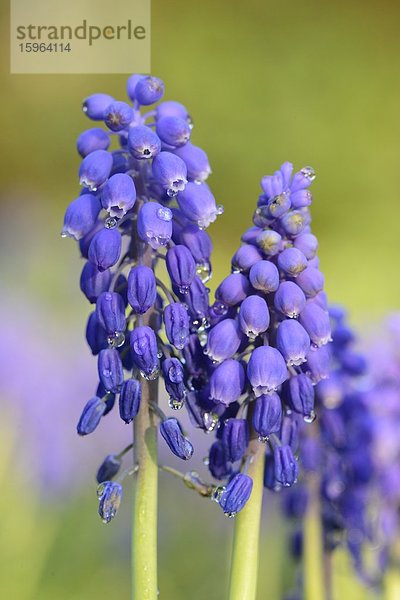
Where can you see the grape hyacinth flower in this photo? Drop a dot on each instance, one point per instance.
(140, 222)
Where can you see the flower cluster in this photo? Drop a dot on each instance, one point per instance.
(144, 201)
(266, 346)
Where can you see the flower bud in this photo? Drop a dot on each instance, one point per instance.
(198, 204)
(142, 289)
(197, 301)
(235, 438)
(179, 445)
(118, 195)
(299, 395)
(143, 142)
(173, 131)
(181, 267)
(95, 168)
(286, 468)
(107, 397)
(93, 282)
(91, 140)
(269, 473)
(85, 242)
(176, 320)
(289, 299)
(144, 351)
(266, 370)
(96, 336)
(250, 236)
(154, 224)
(316, 322)
(245, 257)
(110, 311)
(307, 243)
(223, 340)
(292, 341)
(105, 248)
(311, 281)
(294, 222)
(318, 364)
(94, 106)
(253, 316)
(118, 115)
(236, 494)
(129, 399)
(91, 415)
(269, 241)
(170, 172)
(174, 381)
(233, 289)
(194, 356)
(171, 108)
(110, 369)
(198, 242)
(290, 432)
(218, 464)
(301, 198)
(302, 179)
(264, 276)
(278, 205)
(149, 90)
(292, 261)
(110, 495)
(131, 84)
(267, 415)
(227, 382)
(108, 468)
(196, 160)
(80, 216)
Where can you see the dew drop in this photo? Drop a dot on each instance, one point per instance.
(220, 209)
(211, 421)
(116, 340)
(175, 404)
(111, 222)
(264, 439)
(310, 418)
(183, 289)
(230, 515)
(64, 234)
(217, 494)
(164, 214)
(106, 372)
(309, 173)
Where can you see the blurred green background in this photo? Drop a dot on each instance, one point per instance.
(312, 82)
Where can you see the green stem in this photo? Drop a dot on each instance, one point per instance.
(313, 554)
(144, 534)
(244, 568)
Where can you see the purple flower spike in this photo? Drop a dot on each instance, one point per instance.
(223, 340)
(110, 369)
(218, 463)
(91, 416)
(286, 468)
(289, 299)
(253, 316)
(105, 248)
(118, 195)
(198, 204)
(149, 90)
(227, 382)
(142, 289)
(118, 115)
(176, 320)
(173, 131)
(80, 216)
(179, 445)
(264, 276)
(154, 224)
(110, 495)
(235, 438)
(316, 322)
(233, 289)
(299, 394)
(196, 160)
(110, 311)
(143, 142)
(174, 381)
(269, 242)
(95, 169)
(95, 106)
(245, 257)
(181, 267)
(267, 415)
(236, 494)
(266, 370)
(93, 282)
(170, 172)
(91, 140)
(129, 400)
(293, 342)
(144, 351)
(311, 281)
(307, 243)
(292, 261)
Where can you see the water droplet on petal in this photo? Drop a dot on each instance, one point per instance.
(310, 418)
(264, 439)
(211, 421)
(220, 209)
(111, 223)
(230, 515)
(164, 214)
(116, 340)
(175, 404)
(217, 493)
(309, 173)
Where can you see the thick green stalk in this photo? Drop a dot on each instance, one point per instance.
(244, 567)
(144, 533)
(313, 553)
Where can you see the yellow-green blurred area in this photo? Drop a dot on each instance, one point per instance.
(311, 82)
